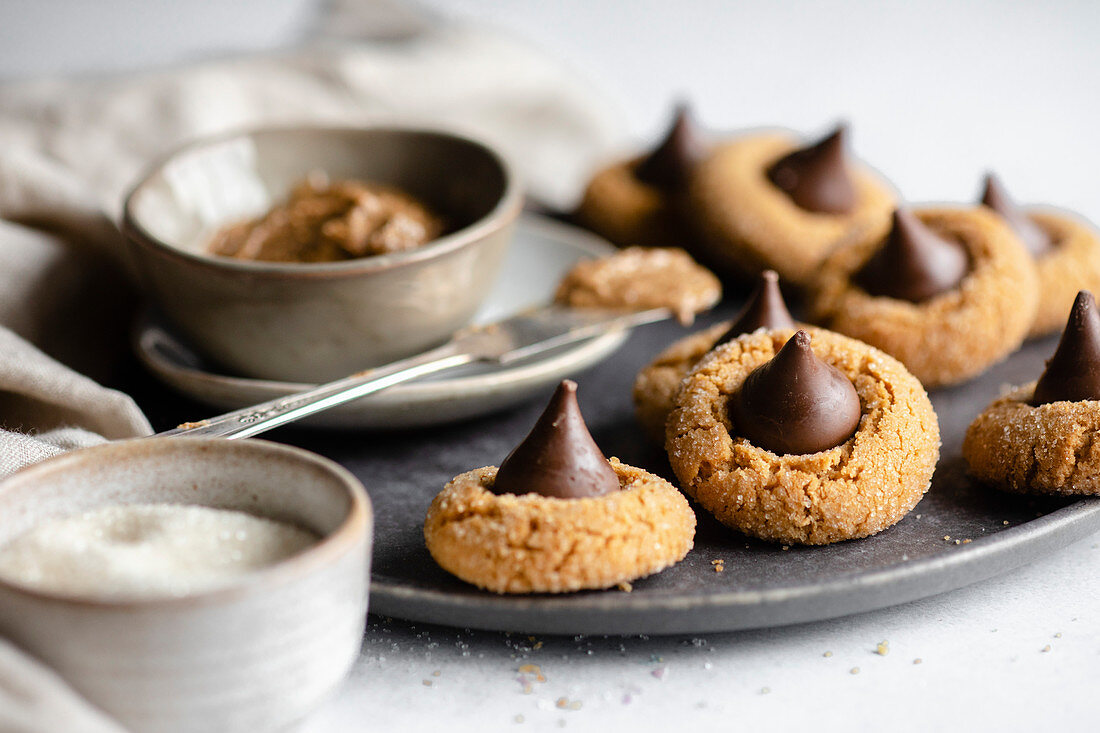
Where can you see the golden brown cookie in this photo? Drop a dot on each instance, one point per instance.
(858, 488)
(655, 387)
(748, 224)
(950, 337)
(621, 208)
(640, 278)
(1073, 265)
(640, 201)
(1046, 449)
(656, 384)
(542, 544)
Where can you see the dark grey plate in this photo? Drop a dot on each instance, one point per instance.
(763, 585)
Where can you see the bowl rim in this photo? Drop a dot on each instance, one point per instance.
(353, 528)
(503, 213)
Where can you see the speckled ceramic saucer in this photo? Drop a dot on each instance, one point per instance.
(541, 253)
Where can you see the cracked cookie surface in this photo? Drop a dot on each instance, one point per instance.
(539, 544)
(856, 489)
(951, 337)
(749, 225)
(1044, 449)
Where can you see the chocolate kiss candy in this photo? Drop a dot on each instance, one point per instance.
(1073, 373)
(669, 165)
(1031, 234)
(914, 263)
(764, 309)
(817, 177)
(796, 403)
(558, 457)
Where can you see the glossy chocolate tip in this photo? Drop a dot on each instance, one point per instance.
(669, 165)
(796, 404)
(558, 457)
(765, 309)
(1073, 373)
(914, 263)
(817, 177)
(1035, 239)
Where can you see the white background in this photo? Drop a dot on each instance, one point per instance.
(936, 92)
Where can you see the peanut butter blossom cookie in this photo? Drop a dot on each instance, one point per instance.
(1066, 252)
(656, 384)
(1041, 437)
(638, 201)
(949, 292)
(638, 278)
(557, 516)
(762, 203)
(808, 437)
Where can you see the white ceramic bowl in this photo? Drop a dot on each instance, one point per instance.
(315, 322)
(254, 656)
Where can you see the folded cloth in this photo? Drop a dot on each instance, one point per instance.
(69, 150)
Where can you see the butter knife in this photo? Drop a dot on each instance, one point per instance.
(523, 335)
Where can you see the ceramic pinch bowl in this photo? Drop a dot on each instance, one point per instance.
(255, 655)
(315, 322)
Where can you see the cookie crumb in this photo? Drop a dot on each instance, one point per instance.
(967, 541)
(436, 672)
(785, 548)
(1058, 635)
(827, 654)
(918, 660)
(1005, 522)
(883, 648)
(625, 587)
(854, 670)
(947, 538)
(426, 683)
(1046, 648)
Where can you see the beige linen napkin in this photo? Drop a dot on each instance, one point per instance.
(70, 148)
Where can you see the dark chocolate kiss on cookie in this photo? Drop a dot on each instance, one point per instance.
(914, 263)
(1073, 373)
(558, 457)
(669, 165)
(796, 403)
(817, 177)
(1031, 234)
(764, 309)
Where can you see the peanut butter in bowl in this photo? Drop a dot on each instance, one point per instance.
(330, 221)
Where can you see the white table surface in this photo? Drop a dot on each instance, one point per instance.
(936, 93)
